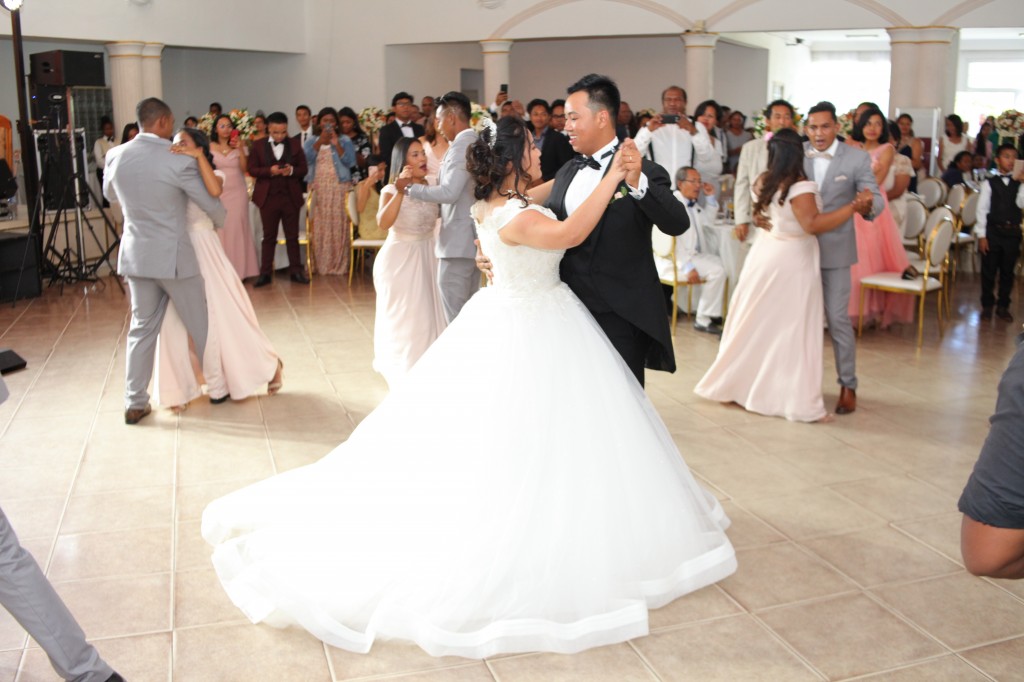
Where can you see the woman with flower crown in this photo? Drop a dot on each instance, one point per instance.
(516, 492)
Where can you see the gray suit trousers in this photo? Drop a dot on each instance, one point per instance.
(458, 279)
(28, 595)
(835, 284)
(149, 302)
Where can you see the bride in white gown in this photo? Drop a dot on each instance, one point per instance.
(518, 492)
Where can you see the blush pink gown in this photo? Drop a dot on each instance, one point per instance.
(236, 235)
(769, 360)
(239, 359)
(879, 249)
(409, 311)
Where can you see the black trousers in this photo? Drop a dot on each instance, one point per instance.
(632, 342)
(99, 178)
(999, 262)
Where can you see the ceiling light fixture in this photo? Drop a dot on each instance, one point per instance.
(11, 5)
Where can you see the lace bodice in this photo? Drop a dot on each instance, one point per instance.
(195, 217)
(521, 270)
(415, 220)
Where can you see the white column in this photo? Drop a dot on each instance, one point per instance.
(700, 67)
(152, 70)
(496, 68)
(924, 64)
(125, 80)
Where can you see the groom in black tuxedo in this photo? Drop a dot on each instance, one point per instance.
(613, 271)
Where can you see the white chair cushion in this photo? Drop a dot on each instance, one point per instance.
(894, 280)
(367, 243)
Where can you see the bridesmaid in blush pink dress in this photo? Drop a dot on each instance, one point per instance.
(239, 360)
(409, 311)
(879, 242)
(769, 359)
(236, 235)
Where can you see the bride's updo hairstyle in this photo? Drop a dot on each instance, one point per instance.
(785, 166)
(498, 153)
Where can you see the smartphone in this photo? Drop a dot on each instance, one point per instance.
(328, 127)
(235, 134)
(669, 118)
(1018, 167)
(504, 88)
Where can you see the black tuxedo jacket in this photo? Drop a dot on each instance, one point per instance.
(389, 135)
(554, 153)
(613, 269)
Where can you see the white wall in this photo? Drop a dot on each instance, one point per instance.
(741, 76)
(424, 70)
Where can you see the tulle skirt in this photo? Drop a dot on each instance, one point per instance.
(517, 492)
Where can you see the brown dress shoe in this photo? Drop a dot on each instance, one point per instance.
(135, 415)
(847, 401)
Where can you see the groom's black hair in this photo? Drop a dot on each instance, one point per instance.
(823, 106)
(278, 117)
(149, 110)
(601, 90)
(457, 102)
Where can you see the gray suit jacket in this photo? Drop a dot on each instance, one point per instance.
(154, 186)
(849, 172)
(454, 191)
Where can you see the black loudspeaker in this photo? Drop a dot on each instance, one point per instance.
(54, 163)
(10, 361)
(15, 248)
(49, 106)
(64, 67)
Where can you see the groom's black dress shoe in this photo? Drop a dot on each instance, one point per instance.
(300, 278)
(218, 401)
(135, 415)
(261, 281)
(115, 678)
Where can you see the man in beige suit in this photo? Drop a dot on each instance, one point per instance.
(754, 161)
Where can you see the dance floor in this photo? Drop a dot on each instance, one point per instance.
(847, 533)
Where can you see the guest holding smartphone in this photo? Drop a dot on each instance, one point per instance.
(230, 158)
(330, 157)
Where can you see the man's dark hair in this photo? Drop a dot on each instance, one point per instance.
(149, 110)
(558, 103)
(601, 90)
(455, 101)
(823, 106)
(1003, 147)
(303, 106)
(675, 87)
(779, 103)
(538, 102)
(104, 120)
(400, 96)
(215, 104)
(277, 117)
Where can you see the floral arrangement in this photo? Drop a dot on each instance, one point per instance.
(846, 122)
(239, 117)
(760, 123)
(1010, 123)
(206, 123)
(372, 119)
(243, 122)
(477, 115)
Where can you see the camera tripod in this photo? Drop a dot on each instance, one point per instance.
(69, 265)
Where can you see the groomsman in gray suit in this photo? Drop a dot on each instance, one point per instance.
(457, 276)
(840, 171)
(153, 186)
(30, 598)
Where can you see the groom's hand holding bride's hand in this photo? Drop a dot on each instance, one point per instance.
(629, 162)
(863, 202)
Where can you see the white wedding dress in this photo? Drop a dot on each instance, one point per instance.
(517, 492)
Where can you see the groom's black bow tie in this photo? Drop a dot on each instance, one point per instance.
(582, 160)
(691, 203)
(277, 144)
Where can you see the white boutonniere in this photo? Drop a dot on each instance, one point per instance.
(620, 193)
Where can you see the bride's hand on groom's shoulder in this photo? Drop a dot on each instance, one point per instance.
(179, 148)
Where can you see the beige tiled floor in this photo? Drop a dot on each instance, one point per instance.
(847, 533)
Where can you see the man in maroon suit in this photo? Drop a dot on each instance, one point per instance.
(279, 165)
